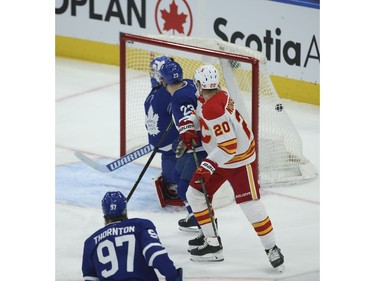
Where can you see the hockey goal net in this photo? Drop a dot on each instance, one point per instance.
(243, 74)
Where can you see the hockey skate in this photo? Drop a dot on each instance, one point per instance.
(188, 224)
(199, 240)
(196, 242)
(276, 258)
(211, 251)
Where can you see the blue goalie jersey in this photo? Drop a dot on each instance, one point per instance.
(158, 113)
(126, 250)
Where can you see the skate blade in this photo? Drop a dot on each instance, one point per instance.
(208, 258)
(189, 229)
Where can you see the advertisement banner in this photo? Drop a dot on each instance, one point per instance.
(289, 35)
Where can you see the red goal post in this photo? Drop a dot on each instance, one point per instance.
(243, 74)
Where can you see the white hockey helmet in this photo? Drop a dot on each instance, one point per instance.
(208, 76)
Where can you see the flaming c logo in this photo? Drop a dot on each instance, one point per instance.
(173, 18)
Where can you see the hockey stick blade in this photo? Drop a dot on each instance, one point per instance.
(118, 163)
(91, 163)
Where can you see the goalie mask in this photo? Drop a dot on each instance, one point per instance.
(171, 72)
(155, 66)
(208, 76)
(114, 204)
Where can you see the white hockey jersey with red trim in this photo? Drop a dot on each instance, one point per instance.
(226, 136)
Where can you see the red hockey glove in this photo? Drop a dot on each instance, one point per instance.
(187, 133)
(204, 172)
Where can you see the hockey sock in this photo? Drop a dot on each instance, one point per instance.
(201, 212)
(256, 214)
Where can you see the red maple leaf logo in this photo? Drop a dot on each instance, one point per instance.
(173, 20)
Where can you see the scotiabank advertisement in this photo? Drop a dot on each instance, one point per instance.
(289, 35)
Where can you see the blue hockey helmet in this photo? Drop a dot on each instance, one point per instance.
(155, 65)
(171, 72)
(114, 204)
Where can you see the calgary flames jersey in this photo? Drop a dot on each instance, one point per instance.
(226, 136)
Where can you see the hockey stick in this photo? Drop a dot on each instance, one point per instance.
(205, 194)
(118, 163)
(149, 160)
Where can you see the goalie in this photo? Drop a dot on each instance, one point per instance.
(158, 115)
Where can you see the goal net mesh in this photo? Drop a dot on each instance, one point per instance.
(280, 149)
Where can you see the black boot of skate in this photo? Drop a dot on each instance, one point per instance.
(196, 242)
(211, 250)
(276, 258)
(188, 224)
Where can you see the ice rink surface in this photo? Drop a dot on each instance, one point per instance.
(87, 119)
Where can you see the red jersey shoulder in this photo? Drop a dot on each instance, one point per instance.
(201, 99)
(215, 106)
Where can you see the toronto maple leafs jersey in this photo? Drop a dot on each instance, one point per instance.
(184, 102)
(158, 116)
(126, 250)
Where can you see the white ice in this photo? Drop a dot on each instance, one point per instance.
(87, 119)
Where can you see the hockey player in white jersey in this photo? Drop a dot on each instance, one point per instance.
(230, 145)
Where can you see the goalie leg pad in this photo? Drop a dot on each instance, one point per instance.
(165, 197)
(174, 202)
(159, 191)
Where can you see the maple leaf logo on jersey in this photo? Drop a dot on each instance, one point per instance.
(174, 16)
(152, 122)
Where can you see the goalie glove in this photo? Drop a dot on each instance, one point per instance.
(203, 173)
(187, 133)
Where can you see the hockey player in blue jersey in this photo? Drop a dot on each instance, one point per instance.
(184, 102)
(125, 249)
(158, 114)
